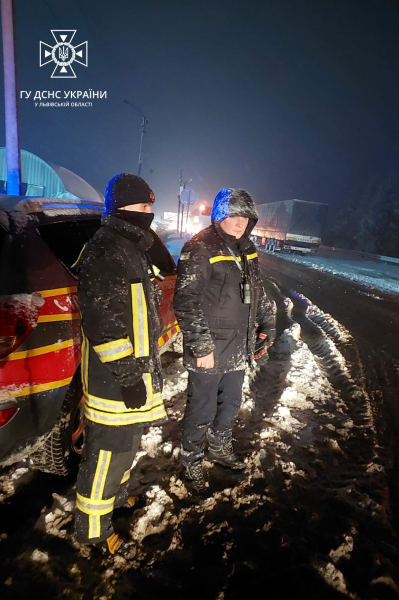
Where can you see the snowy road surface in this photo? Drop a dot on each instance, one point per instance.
(310, 517)
(378, 275)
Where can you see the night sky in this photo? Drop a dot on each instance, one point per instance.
(284, 98)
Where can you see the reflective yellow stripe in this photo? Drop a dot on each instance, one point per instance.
(113, 406)
(251, 256)
(42, 350)
(98, 502)
(97, 491)
(215, 259)
(75, 264)
(114, 350)
(140, 321)
(126, 476)
(107, 460)
(33, 389)
(51, 318)
(58, 292)
(97, 507)
(147, 378)
(111, 345)
(85, 363)
(157, 412)
(94, 516)
(117, 355)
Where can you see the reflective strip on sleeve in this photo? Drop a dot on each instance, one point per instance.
(141, 340)
(251, 256)
(215, 259)
(114, 350)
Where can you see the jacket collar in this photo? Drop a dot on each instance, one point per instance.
(240, 245)
(142, 239)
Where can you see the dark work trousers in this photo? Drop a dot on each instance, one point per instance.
(102, 485)
(212, 401)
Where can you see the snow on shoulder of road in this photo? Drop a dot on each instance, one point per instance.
(377, 275)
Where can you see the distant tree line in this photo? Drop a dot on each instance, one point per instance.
(369, 221)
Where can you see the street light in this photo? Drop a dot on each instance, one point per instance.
(144, 122)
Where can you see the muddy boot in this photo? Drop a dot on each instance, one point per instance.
(111, 545)
(195, 472)
(221, 451)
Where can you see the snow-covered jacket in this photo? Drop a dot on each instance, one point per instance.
(208, 301)
(119, 306)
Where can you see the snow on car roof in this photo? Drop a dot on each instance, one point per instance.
(33, 204)
(23, 210)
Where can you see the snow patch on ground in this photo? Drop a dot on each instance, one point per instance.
(377, 275)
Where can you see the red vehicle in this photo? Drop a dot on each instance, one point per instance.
(41, 400)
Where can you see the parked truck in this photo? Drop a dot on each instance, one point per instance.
(293, 225)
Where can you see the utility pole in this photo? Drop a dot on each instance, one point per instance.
(10, 101)
(144, 122)
(180, 207)
(179, 204)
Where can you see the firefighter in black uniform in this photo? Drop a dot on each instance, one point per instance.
(226, 320)
(121, 370)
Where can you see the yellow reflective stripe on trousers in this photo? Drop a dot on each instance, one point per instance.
(97, 491)
(251, 256)
(126, 476)
(141, 342)
(114, 350)
(97, 507)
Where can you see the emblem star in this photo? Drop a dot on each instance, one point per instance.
(63, 53)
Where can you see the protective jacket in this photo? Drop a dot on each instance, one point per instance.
(119, 306)
(209, 296)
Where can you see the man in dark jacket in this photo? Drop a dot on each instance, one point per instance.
(121, 370)
(226, 319)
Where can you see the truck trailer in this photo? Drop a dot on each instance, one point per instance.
(293, 225)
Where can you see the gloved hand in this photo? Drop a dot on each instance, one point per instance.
(134, 396)
(263, 342)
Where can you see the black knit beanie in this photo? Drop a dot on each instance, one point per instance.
(125, 189)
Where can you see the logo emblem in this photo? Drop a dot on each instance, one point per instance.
(63, 53)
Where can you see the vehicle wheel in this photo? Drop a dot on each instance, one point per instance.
(64, 444)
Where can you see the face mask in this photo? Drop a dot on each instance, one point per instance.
(140, 219)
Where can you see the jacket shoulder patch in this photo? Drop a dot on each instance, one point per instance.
(185, 256)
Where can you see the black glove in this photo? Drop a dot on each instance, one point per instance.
(134, 396)
(263, 342)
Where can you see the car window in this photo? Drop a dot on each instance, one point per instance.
(12, 276)
(66, 239)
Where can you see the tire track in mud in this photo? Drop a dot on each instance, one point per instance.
(346, 469)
